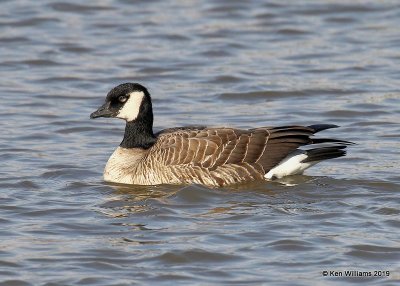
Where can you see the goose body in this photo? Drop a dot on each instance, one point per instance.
(202, 155)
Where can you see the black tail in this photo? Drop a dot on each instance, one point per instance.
(330, 140)
(321, 127)
(324, 153)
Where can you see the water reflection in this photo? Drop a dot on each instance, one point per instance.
(131, 199)
(196, 200)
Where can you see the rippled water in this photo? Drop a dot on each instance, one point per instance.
(234, 63)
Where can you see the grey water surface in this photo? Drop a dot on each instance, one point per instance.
(220, 63)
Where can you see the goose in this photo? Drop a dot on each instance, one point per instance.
(206, 155)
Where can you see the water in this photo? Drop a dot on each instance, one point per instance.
(220, 63)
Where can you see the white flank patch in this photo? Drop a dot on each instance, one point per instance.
(291, 165)
(130, 110)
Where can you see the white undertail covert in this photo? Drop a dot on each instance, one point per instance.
(291, 165)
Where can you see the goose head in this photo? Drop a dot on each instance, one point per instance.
(128, 101)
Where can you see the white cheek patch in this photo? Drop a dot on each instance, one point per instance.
(130, 110)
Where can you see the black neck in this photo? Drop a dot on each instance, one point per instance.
(138, 134)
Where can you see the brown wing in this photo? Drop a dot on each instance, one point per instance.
(214, 147)
(194, 146)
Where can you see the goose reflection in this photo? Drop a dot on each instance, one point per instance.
(135, 199)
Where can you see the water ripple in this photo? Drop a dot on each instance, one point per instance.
(225, 63)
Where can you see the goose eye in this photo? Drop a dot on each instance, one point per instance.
(122, 98)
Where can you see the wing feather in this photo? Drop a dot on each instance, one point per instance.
(220, 152)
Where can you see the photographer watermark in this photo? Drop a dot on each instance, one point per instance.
(356, 273)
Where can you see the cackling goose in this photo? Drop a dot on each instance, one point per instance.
(204, 155)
